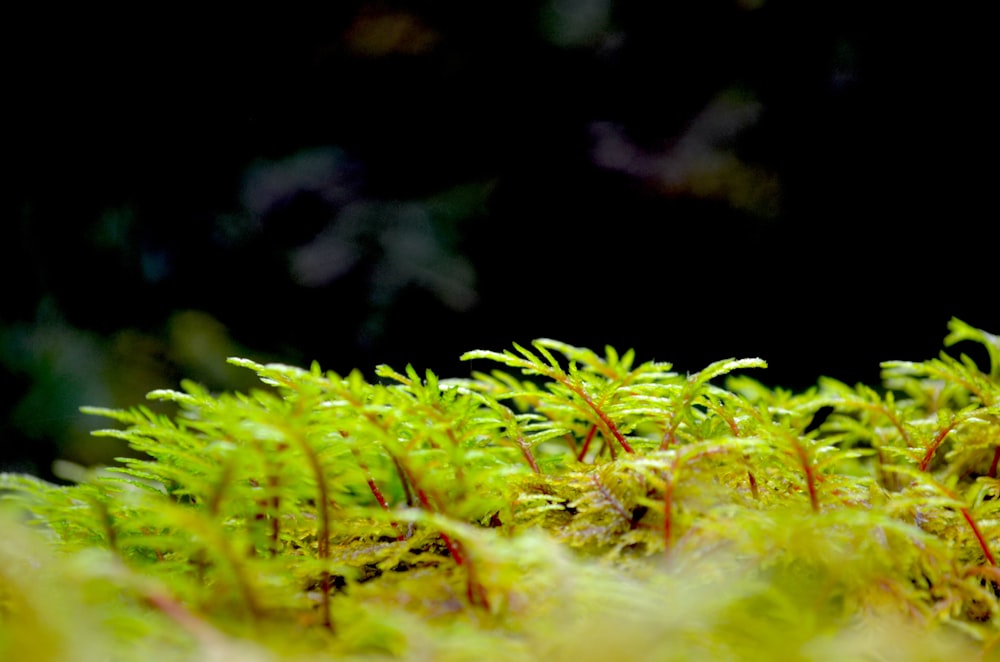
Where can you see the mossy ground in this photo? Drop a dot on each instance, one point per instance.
(581, 506)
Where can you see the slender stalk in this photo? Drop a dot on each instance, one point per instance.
(802, 454)
(528, 455)
(669, 436)
(474, 590)
(376, 492)
(513, 428)
(810, 473)
(601, 415)
(753, 485)
(979, 536)
(586, 443)
(935, 444)
(453, 548)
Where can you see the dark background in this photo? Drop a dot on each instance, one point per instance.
(402, 182)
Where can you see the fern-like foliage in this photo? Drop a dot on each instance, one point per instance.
(492, 517)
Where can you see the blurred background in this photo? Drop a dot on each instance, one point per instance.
(394, 182)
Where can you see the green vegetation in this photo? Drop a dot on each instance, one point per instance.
(571, 506)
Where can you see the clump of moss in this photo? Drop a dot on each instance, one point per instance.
(571, 505)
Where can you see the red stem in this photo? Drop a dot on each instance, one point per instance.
(668, 437)
(474, 591)
(377, 492)
(753, 485)
(668, 504)
(811, 484)
(979, 536)
(996, 460)
(586, 443)
(452, 547)
(932, 448)
(810, 473)
(526, 451)
(600, 414)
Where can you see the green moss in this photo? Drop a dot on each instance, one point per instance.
(571, 506)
